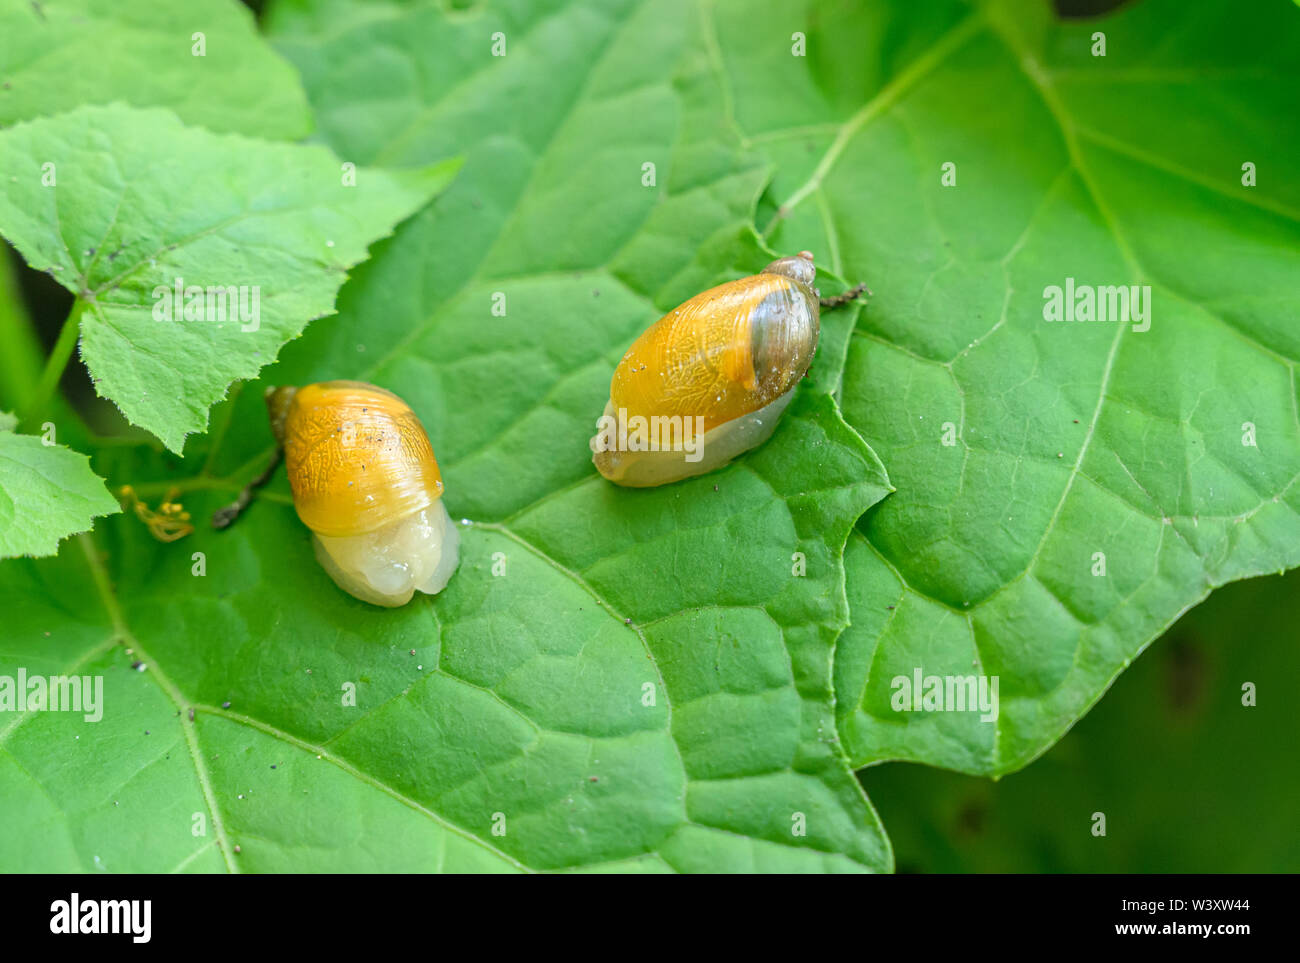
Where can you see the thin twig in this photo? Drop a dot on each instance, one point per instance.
(850, 295)
(225, 517)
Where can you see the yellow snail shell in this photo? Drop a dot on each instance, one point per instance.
(726, 363)
(366, 483)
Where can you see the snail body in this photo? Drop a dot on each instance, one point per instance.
(365, 481)
(714, 374)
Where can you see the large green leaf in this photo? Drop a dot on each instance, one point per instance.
(201, 58)
(126, 207)
(1070, 439)
(633, 680)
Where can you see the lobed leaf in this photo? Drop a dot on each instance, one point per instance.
(143, 219)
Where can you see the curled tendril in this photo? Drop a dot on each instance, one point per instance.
(170, 522)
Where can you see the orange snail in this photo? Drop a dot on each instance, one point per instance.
(366, 483)
(726, 362)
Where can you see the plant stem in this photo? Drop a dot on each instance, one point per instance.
(20, 357)
(57, 362)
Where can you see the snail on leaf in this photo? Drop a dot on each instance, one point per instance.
(710, 379)
(366, 483)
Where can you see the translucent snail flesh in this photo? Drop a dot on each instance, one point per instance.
(366, 483)
(713, 375)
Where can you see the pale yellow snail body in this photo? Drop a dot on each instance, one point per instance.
(366, 483)
(713, 376)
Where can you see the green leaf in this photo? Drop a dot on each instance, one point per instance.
(47, 492)
(1155, 755)
(64, 54)
(634, 680)
(1073, 440)
(522, 693)
(141, 204)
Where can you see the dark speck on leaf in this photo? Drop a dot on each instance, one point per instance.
(889, 607)
(191, 715)
(225, 705)
(627, 621)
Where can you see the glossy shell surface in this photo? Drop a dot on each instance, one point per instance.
(724, 353)
(715, 373)
(357, 456)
